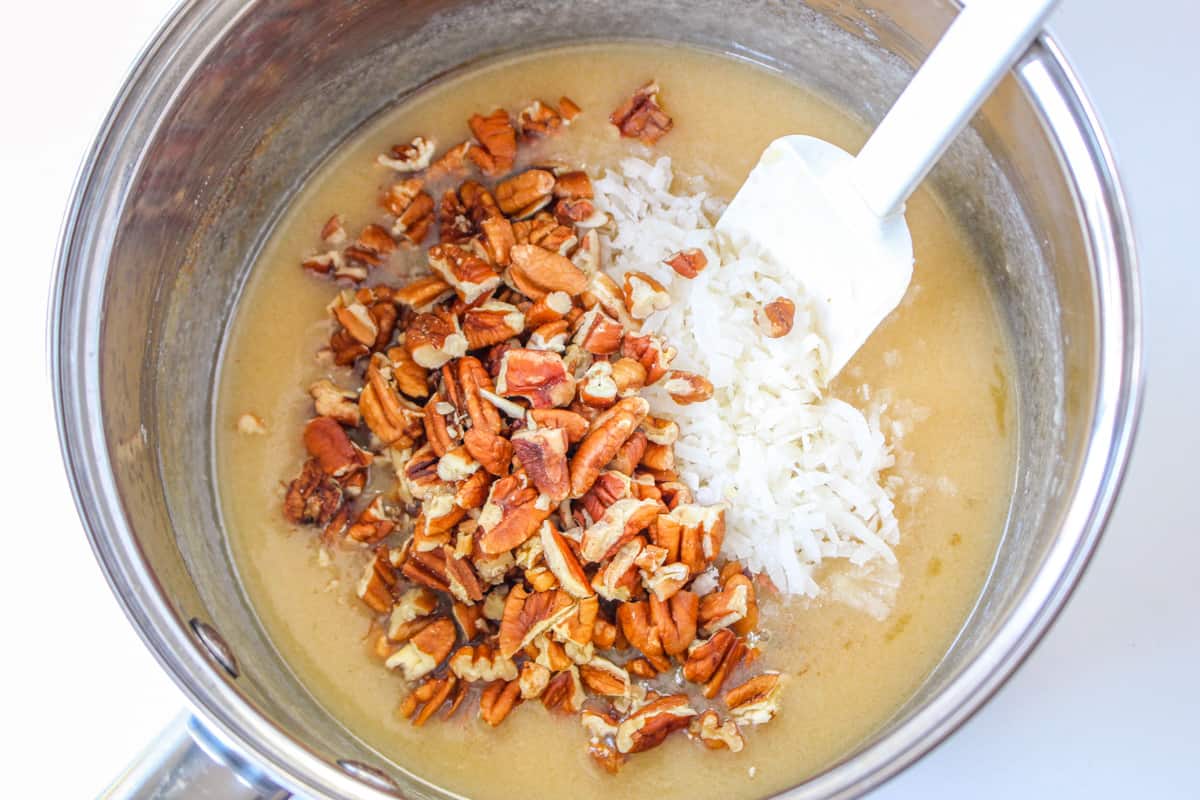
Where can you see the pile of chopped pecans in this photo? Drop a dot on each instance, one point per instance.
(537, 543)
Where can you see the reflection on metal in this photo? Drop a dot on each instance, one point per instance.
(373, 777)
(216, 646)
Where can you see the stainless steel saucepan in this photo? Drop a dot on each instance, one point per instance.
(234, 103)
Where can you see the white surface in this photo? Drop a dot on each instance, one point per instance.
(1107, 706)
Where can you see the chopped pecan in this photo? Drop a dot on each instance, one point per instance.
(412, 157)
(550, 336)
(716, 735)
(545, 231)
(533, 680)
(482, 663)
(356, 319)
(617, 579)
(549, 308)
(573, 185)
(610, 486)
(312, 498)
(331, 401)
(538, 120)
(686, 388)
(659, 457)
(490, 323)
(621, 521)
(422, 293)
(424, 651)
(426, 568)
(666, 580)
(644, 295)
(395, 419)
(452, 162)
(649, 351)
(660, 430)
(412, 207)
(429, 696)
(779, 315)
(598, 333)
(375, 586)
(608, 432)
(675, 620)
(498, 700)
(735, 603)
(576, 212)
(327, 442)
(414, 606)
(574, 425)
(372, 246)
(628, 375)
(605, 755)
(757, 700)
(543, 455)
(373, 524)
(497, 142)
(434, 338)
(536, 272)
(464, 584)
(641, 116)
(638, 628)
(563, 563)
(524, 195)
(699, 530)
(564, 693)
(687, 263)
(604, 634)
(333, 231)
(604, 677)
(418, 476)
(651, 724)
(587, 255)
(539, 376)
(630, 454)
(471, 276)
(411, 378)
(526, 616)
(511, 515)
(568, 110)
(498, 238)
(492, 451)
(641, 668)
(597, 388)
(704, 657)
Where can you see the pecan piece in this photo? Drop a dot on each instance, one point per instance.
(424, 651)
(563, 563)
(574, 425)
(699, 530)
(412, 157)
(524, 195)
(573, 185)
(543, 455)
(493, 452)
(538, 120)
(536, 272)
(687, 263)
(435, 338)
(328, 443)
(704, 657)
(490, 323)
(411, 378)
(373, 524)
(598, 333)
(628, 375)
(426, 699)
(641, 116)
(636, 625)
(630, 454)
(498, 700)
(533, 680)
(527, 616)
(498, 238)
(621, 522)
(564, 693)
(396, 420)
(497, 142)
(735, 604)
(779, 315)
(329, 400)
(757, 700)
(709, 729)
(609, 431)
(651, 724)
(464, 584)
(482, 663)
(568, 109)
(686, 388)
(410, 614)
(312, 498)
(375, 586)
(412, 207)
(426, 568)
(422, 293)
(549, 308)
(651, 352)
(471, 276)
(675, 620)
(539, 376)
(511, 515)
(372, 246)
(604, 677)
(644, 295)
(666, 580)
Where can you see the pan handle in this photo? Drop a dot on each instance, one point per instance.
(186, 761)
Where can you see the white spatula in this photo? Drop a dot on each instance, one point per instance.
(837, 219)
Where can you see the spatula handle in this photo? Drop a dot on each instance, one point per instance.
(986, 38)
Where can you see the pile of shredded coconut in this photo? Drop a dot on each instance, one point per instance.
(802, 470)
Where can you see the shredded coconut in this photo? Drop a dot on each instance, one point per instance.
(803, 470)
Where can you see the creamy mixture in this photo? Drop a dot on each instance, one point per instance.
(940, 362)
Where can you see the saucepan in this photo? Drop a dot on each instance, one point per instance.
(233, 104)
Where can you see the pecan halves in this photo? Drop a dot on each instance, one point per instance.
(327, 442)
(609, 432)
(498, 700)
(497, 138)
(757, 700)
(423, 702)
(675, 620)
(524, 195)
(526, 616)
(397, 421)
(511, 515)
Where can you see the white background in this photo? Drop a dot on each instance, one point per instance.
(1108, 705)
